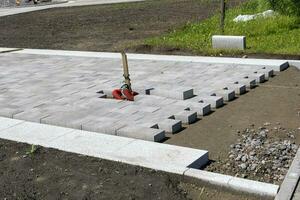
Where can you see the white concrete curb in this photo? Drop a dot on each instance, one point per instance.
(291, 180)
(295, 63)
(234, 183)
(170, 158)
(276, 65)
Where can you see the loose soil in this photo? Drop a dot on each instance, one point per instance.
(51, 174)
(276, 102)
(101, 27)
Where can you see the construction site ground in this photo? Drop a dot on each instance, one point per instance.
(47, 171)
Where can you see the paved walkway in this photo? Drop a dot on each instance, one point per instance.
(14, 11)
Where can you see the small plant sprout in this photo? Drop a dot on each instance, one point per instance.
(32, 150)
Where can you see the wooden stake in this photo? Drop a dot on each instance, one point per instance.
(222, 20)
(126, 70)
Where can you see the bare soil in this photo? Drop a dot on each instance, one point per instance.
(101, 27)
(276, 102)
(52, 174)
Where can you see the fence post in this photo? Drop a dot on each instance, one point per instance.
(222, 20)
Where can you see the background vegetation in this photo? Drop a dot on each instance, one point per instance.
(279, 34)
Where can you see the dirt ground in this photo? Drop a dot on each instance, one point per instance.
(276, 101)
(51, 174)
(101, 27)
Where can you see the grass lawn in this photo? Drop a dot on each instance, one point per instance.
(276, 35)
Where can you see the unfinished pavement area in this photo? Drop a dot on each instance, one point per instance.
(70, 89)
(162, 64)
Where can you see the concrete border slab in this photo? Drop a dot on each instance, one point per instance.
(276, 65)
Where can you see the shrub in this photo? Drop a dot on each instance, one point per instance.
(286, 7)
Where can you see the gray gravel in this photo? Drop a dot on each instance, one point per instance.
(263, 154)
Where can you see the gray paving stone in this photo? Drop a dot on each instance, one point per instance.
(170, 125)
(239, 89)
(187, 117)
(250, 83)
(103, 127)
(260, 78)
(34, 115)
(142, 133)
(63, 88)
(214, 101)
(173, 94)
(228, 95)
(9, 112)
(202, 109)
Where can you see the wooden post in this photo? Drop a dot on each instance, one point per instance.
(222, 20)
(126, 70)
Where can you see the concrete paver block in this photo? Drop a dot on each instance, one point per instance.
(239, 89)
(170, 125)
(187, 117)
(260, 78)
(103, 127)
(173, 94)
(214, 101)
(249, 82)
(227, 94)
(142, 133)
(202, 109)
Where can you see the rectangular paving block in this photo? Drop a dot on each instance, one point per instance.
(227, 94)
(146, 124)
(173, 94)
(249, 82)
(143, 133)
(239, 89)
(67, 119)
(170, 125)
(9, 112)
(33, 115)
(187, 117)
(260, 78)
(214, 101)
(268, 73)
(106, 127)
(202, 109)
(228, 42)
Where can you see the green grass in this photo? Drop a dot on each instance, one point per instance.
(276, 35)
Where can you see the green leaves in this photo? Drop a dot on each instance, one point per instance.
(278, 34)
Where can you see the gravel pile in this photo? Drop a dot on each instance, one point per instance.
(261, 154)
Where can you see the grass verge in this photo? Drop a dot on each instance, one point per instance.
(279, 34)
